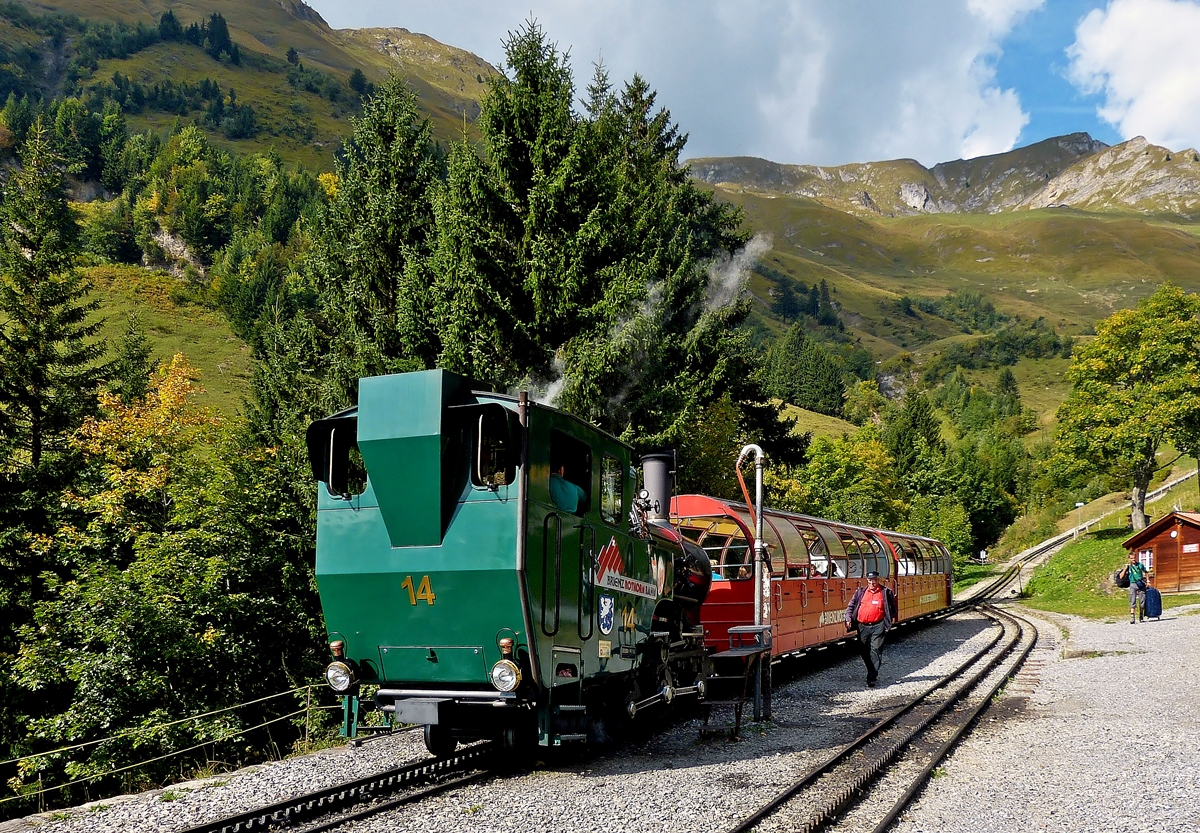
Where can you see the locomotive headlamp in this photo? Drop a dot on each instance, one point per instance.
(506, 676)
(339, 676)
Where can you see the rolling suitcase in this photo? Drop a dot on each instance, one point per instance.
(1153, 603)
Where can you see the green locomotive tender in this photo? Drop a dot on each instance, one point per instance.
(488, 574)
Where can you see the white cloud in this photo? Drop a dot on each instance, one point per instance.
(1142, 56)
(812, 82)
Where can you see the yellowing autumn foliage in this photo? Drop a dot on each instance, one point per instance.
(136, 446)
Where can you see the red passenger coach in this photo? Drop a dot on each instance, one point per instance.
(816, 565)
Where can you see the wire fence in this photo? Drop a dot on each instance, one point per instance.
(40, 793)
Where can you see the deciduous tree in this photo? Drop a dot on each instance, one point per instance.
(1136, 385)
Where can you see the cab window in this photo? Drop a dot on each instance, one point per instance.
(493, 461)
(612, 487)
(570, 474)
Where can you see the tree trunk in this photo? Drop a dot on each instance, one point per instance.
(1141, 482)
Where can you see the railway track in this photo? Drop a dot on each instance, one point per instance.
(334, 806)
(916, 736)
(902, 749)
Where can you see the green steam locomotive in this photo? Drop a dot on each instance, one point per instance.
(488, 567)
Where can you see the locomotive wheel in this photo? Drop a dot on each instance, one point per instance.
(439, 741)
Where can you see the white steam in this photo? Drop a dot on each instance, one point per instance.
(727, 275)
(546, 392)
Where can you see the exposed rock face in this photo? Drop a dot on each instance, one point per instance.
(987, 184)
(916, 196)
(1133, 175)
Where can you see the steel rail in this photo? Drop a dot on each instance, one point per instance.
(863, 773)
(843, 753)
(323, 802)
(966, 722)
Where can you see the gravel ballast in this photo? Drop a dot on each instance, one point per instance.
(1054, 755)
(1108, 740)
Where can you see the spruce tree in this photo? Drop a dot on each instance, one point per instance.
(49, 375)
(49, 368)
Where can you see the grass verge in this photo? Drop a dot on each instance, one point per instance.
(1076, 579)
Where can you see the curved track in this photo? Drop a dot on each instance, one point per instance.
(918, 734)
(922, 730)
(418, 780)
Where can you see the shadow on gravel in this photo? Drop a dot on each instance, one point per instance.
(820, 701)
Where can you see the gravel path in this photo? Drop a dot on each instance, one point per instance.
(1108, 740)
(1049, 757)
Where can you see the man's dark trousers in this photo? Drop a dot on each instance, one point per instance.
(870, 644)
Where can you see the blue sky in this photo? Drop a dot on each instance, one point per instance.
(830, 82)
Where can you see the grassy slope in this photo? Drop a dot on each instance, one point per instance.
(1073, 268)
(446, 79)
(1075, 579)
(819, 424)
(273, 100)
(222, 359)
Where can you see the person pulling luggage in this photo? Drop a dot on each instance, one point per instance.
(872, 611)
(1136, 574)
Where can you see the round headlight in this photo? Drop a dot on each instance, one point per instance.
(506, 676)
(339, 676)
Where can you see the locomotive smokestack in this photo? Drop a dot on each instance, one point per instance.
(658, 473)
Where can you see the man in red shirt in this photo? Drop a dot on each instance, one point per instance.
(871, 611)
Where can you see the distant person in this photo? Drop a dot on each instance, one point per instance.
(1136, 574)
(565, 494)
(872, 611)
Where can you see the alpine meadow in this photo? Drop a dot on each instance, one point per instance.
(217, 217)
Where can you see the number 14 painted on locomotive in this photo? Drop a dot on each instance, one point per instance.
(424, 591)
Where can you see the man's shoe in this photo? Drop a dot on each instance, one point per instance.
(1132, 621)
(871, 683)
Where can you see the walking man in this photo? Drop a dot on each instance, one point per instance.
(872, 611)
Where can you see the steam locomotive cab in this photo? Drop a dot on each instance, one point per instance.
(489, 572)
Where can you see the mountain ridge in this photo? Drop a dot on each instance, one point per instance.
(1073, 170)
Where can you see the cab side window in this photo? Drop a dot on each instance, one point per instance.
(494, 459)
(612, 489)
(570, 474)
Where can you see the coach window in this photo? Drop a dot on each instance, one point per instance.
(945, 562)
(853, 555)
(612, 487)
(906, 564)
(570, 473)
(736, 560)
(929, 558)
(882, 559)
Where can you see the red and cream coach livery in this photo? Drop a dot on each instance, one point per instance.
(816, 565)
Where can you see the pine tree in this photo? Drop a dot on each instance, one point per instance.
(49, 376)
(369, 238)
(49, 370)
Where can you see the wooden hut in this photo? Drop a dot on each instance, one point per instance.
(1170, 549)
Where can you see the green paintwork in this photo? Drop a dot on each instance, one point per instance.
(399, 432)
(421, 517)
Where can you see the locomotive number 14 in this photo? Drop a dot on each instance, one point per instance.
(424, 590)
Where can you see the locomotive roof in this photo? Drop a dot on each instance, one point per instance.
(506, 397)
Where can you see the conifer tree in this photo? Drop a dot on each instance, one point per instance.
(49, 368)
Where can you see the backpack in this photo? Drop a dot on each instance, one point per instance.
(1121, 578)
